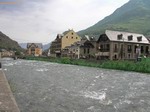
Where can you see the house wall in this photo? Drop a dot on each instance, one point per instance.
(55, 46)
(87, 52)
(80, 52)
(68, 39)
(127, 50)
(94, 50)
(38, 51)
(7, 53)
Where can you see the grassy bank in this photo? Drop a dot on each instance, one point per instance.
(143, 66)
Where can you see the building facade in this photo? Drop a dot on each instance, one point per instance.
(81, 49)
(62, 41)
(6, 53)
(55, 48)
(34, 49)
(116, 45)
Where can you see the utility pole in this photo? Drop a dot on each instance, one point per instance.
(123, 49)
(78, 52)
(0, 60)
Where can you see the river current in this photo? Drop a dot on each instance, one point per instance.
(51, 87)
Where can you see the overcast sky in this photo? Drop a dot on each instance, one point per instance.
(41, 20)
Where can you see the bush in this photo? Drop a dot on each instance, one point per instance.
(142, 66)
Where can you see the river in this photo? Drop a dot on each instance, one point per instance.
(51, 87)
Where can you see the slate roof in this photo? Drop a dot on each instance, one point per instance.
(82, 43)
(113, 36)
(89, 38)
(38, 45)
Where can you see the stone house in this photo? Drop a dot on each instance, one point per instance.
(117, 45)
(55, 48)
(6, 53)
(80, 49)
(34, 49)
(63, 40)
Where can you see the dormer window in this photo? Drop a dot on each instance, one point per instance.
(139, 38)
(120, 37)
(130, 37)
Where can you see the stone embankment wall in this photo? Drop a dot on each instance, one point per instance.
(7, 100)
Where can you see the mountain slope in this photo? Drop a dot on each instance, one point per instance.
(134, 16)
(46, 46)
(23, 45)
(7, 43)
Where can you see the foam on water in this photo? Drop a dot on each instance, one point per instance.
(42, 69)
(97, 77)
(8, 64)
(5, 69)
(94, 95)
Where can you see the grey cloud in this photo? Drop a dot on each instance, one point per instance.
(21, 5)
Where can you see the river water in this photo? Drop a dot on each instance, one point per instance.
(51, 87)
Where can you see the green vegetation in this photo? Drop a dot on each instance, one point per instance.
(132, 17)
(8, 44)
(142, 66)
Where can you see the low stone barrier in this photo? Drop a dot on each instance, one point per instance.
(7, 100)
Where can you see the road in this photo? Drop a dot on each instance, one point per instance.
(51, 87)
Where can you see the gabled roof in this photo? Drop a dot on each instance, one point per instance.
(89, 38)
(82, 43)
(113, 36)
(38, 45)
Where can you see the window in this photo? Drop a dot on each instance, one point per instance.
(72, 37)
(119, 36)
(107, 47)
(129, 48)
(147, 49)
(129, 56)
(76, 37)
(66, 36)
(115, 56)
(88, 51)
(72, 33)
(115, 49)
(101, 48)
(139, 38)
(135, 47)
(130, 37)
(84, 50)
(142, 49)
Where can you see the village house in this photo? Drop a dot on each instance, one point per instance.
(80, 49)
(62, 41)
(117, 45)
(34, 49)
(92, 40)
(6, 53)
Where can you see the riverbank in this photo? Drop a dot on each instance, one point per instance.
(142, 66)
(7, 101)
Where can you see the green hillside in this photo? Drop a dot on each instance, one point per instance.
(8, 44)
(134, 16)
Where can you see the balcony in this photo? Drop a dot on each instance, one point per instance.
(104, 50)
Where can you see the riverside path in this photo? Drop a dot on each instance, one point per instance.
(51, 87)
